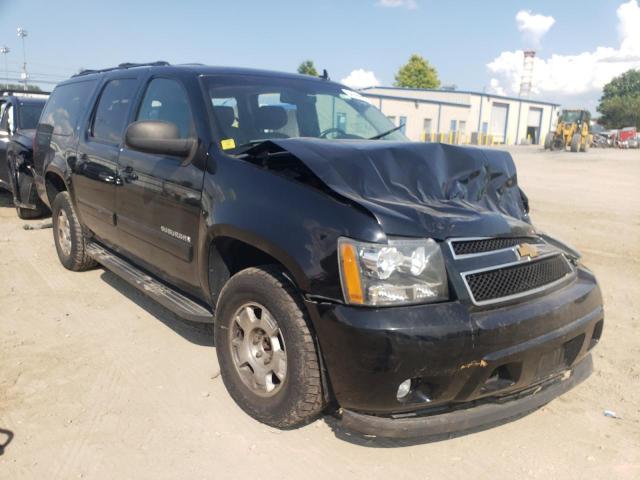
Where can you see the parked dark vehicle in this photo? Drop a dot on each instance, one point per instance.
(400, 285)
(19, 114)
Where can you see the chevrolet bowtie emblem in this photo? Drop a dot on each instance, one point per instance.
(527, 250)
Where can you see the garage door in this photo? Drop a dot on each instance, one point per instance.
(534, 121)
(499, 114)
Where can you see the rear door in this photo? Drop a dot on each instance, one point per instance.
(95, 175)
(158, 203)
(499, 118)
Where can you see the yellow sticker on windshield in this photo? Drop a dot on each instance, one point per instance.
(228, 143)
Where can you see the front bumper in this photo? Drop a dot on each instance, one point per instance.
(454, 353)
(467, 419)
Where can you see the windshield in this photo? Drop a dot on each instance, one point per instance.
(29, 115)
(571, 116)
(250, 109)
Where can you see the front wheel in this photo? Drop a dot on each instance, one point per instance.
(576, 142)
(267, 354)
(69, 236)
(548, 142)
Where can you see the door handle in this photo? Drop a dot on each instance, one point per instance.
(129, 174)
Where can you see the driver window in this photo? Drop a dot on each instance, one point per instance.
(166, 100)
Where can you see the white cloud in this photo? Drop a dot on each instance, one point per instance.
(410, 4)
(495, 86)
(568, 75)
(533, 26)
(360, 78)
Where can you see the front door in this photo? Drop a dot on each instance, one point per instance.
(158, 204)
(94, 174)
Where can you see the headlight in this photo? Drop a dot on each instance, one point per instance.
(400, 272)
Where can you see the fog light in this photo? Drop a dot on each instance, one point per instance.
(404, 389)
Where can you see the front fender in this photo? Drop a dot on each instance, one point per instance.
(295, 223)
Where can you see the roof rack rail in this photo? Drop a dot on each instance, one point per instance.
(123, 66)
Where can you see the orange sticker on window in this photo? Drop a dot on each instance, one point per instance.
(228, 143)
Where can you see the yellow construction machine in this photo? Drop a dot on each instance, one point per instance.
(572, 132)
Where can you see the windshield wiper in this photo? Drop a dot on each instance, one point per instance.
(384, 134)
(247, 146)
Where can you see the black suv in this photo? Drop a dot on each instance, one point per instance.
(19, 114)
(399, 285)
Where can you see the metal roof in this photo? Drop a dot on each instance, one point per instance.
(465, 92)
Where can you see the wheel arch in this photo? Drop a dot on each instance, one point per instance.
(229, 250)
(54, 183)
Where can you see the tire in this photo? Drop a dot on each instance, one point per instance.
(41, 210)
(69, 236)
(297, 398)
(575, 142)
(28, 214)
(584, 148)
(548, 142)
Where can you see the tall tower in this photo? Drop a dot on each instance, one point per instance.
(527, 73)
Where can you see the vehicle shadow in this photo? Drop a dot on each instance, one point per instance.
(357, 438)
(197, 333)
(5, 441)
(6, 199)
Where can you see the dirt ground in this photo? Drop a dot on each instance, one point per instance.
(97, 381)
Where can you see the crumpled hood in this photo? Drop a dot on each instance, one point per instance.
(421, 189)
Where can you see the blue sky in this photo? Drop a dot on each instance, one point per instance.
(458, 38)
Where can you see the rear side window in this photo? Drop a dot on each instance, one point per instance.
(65, 105)
(113, 108)
(166, 100)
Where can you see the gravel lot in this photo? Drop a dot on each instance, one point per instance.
(97, 381)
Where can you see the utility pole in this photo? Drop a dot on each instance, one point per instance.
(4, 50)
(22, 33)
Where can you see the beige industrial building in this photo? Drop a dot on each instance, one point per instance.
(454, 116)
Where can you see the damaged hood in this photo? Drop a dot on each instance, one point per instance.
(420, 189)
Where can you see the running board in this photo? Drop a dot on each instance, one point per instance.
(166, 296)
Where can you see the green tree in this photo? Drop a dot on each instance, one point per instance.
(16, 86)
(626, 84)
(619, 112)
(417, 73)
(308, 68)
(620, 102)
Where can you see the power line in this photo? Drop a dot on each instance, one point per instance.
(31, 80)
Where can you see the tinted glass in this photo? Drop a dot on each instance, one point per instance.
(30, 114)
(266, 107)
(113, 108)
(166, 100)
(65, 105)
(4, 119)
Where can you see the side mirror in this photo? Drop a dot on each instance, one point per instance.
(162, 138)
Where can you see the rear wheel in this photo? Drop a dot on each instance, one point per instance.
(69, 236)
(576, 140)
(267, 355)
(548, 142)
